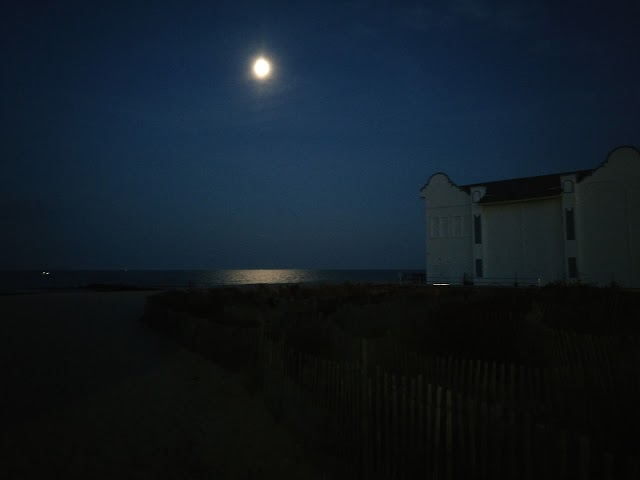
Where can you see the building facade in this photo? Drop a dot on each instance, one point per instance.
(581, 226)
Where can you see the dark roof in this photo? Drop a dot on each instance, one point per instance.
(524, 188)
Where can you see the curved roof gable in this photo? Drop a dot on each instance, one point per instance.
(451, 182)
(526, 188)
(610, 157)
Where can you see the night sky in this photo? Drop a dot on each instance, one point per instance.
(135, 136)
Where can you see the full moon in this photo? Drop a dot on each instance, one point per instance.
(261, 68)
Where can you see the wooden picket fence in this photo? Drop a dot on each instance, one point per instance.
(397, 426)
(598, 356)
(389, 413)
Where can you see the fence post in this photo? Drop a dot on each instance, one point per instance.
(387, 427)
(471, 409)
(501, 383)
(429, 429)
(459, 457)
(370, 428)
(394, 426)
(633, 469)
(608, 467)
(456, 373)
(483, 439)
(436, 446)
(512, 383)
(412, 429)
(526, 445)
(493, 388)
(584, 458)
(521, 388)
(463, 375)
(420, 447)
(378, 424)
(541, 452)
(562, 454)
(449, 430)
(404, 410)
(364, 408)
(497, 444)
(485, 380)
(510, 450)
(470, 371)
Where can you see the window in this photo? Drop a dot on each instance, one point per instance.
(571, 226)
(567, 187)
(573, 267)
(478, 268)
(456, 226)
(444, 226)
(435, 230)
(477, 228)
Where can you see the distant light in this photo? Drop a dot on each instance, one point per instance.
(440, 284)
(262, 68)
(45, 273)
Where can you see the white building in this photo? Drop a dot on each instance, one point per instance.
(568, 227)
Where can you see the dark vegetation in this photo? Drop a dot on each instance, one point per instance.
(486, 323)
(563, 358)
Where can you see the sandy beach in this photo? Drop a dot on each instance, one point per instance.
(92, 393)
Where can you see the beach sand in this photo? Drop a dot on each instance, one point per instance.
(92, 393)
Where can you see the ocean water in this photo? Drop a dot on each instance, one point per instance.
(31, 281)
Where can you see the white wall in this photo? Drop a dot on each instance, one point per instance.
(527, 239)
(523, 240)
(448, 232)
(608, 221)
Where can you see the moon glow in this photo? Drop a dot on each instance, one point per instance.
(261, 68)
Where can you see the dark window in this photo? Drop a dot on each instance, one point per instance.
(568, 186)
(478, 268)
(571, 226)
(435, 223)
(477, 228)
(573, 267)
